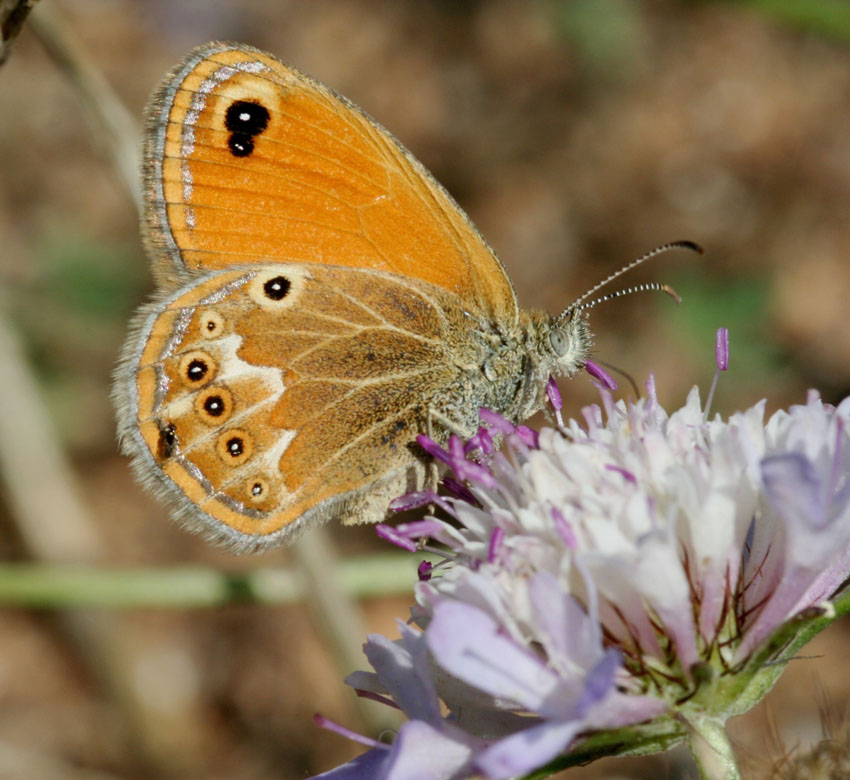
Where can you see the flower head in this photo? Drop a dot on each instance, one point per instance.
(619, 570)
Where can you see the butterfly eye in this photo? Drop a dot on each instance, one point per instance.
(197, 368)
(559, 341)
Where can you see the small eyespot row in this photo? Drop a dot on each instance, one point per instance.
(211, 325)
(257, 489)
(276, 288)
(197, 368)
(214, 404)
(240, 145)
(234, 446)
(246, 116)
(271, 289)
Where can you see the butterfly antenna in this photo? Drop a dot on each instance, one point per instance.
(647, 286)
(576, 306)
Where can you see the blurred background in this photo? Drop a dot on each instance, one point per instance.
(577, 134)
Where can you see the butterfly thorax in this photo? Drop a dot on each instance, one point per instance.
(509, 369)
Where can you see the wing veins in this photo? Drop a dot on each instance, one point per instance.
(227, 209)
(270, 174)
(268, 139)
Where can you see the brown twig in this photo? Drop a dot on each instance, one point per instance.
(13, 14)
(116, 129)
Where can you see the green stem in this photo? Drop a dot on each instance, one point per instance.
(63, 586)
(711, 748)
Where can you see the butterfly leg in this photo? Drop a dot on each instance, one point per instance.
(448, 424)
(437, 417)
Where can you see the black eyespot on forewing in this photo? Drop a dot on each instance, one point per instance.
(276, 288)
(246, 116)
(245, 119)
(240, 145)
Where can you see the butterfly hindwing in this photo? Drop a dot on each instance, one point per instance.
(264, 396)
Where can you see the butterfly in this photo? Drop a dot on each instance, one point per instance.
(320, 302)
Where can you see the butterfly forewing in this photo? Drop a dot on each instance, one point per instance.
(249, 161)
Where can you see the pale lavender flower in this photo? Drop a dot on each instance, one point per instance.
(428, 746)
(620, 570)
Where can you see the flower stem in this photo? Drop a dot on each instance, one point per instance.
(61, 586)
(711, 748)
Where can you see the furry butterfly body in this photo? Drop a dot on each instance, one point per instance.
(321, 302)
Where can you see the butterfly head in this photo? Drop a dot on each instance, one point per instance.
(566, 340)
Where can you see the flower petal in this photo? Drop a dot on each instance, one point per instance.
(526, 750)
(403, 678)
(467, 643)
(367, 766)
(423, 752)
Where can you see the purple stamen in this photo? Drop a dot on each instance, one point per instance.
(480, 440)
(564, 529)
(554, 394)
(432, 448)
(376, 697)
(627, 475)
(419, 528)
(496, 539)
(528, 436)
(466, 469)
(460, 490)
(423, 571)
(413, 500)
(721, 348)
(597, 372)
(651, 391)
(472, 472)
(326, 723)
(389, 533)
(496, 421)
(721, 356)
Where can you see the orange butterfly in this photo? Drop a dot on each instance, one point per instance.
(321, 301)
